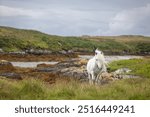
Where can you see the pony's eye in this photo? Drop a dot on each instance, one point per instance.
(95, 53)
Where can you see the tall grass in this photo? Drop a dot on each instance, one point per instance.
(35, 89)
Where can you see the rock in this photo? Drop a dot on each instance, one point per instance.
(6, 66)
(105, 78)
(18, 53)
(122, 71)
(63, 52)
(106, 75)
(38, 51)
(43, 65)
(124, 76)
(71, 68)
(1, 50)
(82, 61)
(11, 76)
(75, 72)
(70, 51)
(66, 52)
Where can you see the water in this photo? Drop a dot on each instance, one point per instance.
(108, 59)
(112, 58)
(31, 64)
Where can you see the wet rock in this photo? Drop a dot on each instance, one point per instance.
(11, 76)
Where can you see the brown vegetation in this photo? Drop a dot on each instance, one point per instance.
(32, 57)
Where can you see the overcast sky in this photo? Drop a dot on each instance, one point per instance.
(78, 17)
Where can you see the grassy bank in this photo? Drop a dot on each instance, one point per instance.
(12, 39)
(137, 88)
(140, 67)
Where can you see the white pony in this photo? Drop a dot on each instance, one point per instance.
(96, 66)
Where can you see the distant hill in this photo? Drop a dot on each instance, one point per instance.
(13, 40)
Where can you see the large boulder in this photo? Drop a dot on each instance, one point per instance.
(71, 68)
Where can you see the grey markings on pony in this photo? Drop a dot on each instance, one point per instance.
(96, 66)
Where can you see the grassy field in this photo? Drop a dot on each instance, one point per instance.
(12, 39)
(137, 88)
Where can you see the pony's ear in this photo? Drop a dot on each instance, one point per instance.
(94, 48)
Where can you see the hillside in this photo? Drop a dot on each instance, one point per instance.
(12, 40)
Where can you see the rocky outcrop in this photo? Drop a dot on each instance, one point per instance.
(77, 69)
(71, 68)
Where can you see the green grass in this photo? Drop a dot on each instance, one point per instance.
(139, 67)
(35, 89)
(12, 39)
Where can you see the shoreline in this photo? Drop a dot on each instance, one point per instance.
(50, 57)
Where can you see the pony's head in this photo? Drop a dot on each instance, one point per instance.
(99, 57)
(98, 52)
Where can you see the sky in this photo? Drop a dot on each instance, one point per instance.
(78, 17)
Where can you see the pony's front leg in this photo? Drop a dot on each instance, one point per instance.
(90, 78)
(93, 78)
(98, 79)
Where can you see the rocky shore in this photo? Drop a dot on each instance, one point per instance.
(68, 69)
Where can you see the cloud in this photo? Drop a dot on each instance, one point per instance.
(6, 11)
(78, 17)
(133, 21)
